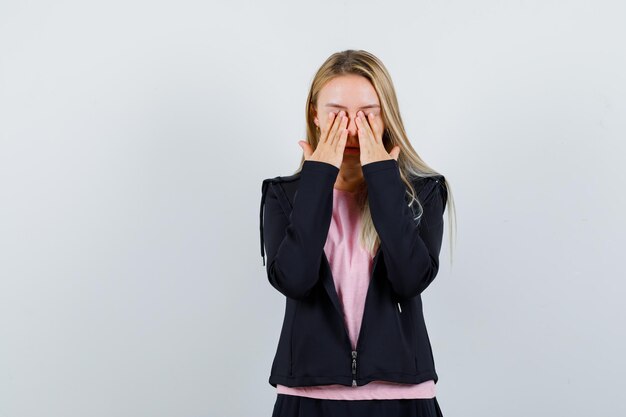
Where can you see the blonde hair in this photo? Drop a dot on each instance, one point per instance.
(363, 63)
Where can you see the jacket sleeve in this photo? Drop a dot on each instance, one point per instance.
(295, 243)
(411, 253)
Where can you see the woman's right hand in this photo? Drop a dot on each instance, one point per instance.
(332, 141)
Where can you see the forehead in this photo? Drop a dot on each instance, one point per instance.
(350, 91)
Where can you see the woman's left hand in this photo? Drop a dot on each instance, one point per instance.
(370, 133)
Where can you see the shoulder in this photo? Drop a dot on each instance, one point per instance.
(282, 178)
(310, 166)
(281, 188)
(287, 183)
(427, 185)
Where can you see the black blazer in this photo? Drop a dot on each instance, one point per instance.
(314, 347)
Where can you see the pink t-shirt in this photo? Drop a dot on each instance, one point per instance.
(351, 267)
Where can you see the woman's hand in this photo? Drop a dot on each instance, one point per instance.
(331, 143)
(370, 134)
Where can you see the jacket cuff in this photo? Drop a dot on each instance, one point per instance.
(386, 164)
(320, 166)
(379, 165)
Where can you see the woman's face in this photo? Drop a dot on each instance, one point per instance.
(351, 93)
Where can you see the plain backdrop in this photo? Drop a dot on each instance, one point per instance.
(134, 136)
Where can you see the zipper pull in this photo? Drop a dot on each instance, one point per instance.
(354, 368)
(399, 308)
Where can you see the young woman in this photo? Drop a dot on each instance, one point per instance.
(353, 239)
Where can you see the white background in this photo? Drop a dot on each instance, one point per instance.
(134, 136)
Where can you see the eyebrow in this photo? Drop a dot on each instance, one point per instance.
(369, 106)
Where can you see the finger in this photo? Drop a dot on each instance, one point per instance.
(341, 143)
(364, 130)
(375, 126)
(395, 152)
(306, 149)
(334, 128)
(366, 123)
(341, 130)
(326, 128)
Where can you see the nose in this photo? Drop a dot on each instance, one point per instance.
(352, 129)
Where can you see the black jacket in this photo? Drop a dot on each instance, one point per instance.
(314, 347)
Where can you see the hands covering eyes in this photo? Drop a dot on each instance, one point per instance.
(333, 136)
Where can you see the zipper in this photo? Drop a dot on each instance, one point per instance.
(354, 368)
(358, 342)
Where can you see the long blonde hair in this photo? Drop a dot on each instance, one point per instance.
(411, 165)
